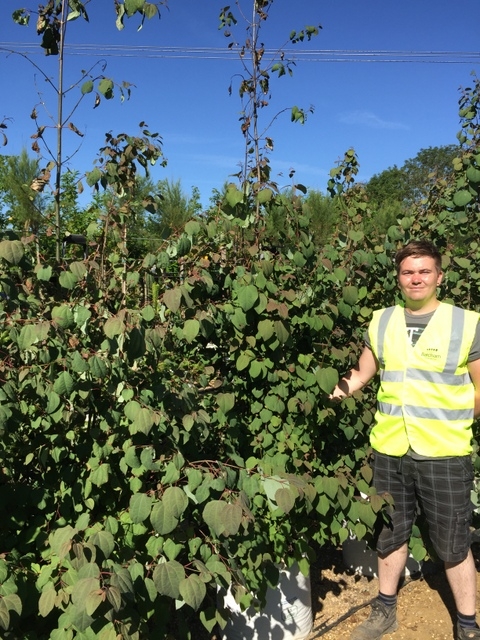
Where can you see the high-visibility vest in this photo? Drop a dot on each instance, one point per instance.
(426, 396)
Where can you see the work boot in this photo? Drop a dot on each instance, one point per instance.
(382, 620)
(464, 633)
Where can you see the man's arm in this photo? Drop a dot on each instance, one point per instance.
(474, 371)
(361, 374)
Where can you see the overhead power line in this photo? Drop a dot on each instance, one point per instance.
(214, 53)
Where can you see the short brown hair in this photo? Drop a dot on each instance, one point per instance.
(417, 249)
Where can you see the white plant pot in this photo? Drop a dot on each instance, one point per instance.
(286, 616)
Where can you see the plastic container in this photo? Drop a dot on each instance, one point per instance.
(286, 616)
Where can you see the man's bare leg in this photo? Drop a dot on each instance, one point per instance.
(383, 616)
(390, 568)
(462, 578)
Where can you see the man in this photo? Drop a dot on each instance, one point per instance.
(428, 356)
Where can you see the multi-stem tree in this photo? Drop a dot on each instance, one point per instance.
(254, 87)
(51, 24)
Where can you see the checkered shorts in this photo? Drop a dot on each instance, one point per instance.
(440, 488)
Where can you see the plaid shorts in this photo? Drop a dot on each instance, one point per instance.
(440, 488)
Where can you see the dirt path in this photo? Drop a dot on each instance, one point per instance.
(340, 601)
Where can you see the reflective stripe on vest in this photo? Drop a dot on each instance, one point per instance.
(422, 412)
(428, 376)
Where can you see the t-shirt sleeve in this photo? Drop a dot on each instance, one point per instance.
(366, 340)
(475, 348)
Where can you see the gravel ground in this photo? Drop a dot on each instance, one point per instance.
(341, 601)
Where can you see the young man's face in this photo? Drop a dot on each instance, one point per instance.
(418, 279)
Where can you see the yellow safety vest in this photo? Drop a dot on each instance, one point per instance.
(426, 396)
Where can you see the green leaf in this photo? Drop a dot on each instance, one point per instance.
(285, 499)
(122, 580)
(67, 280)
(79, 269)
(64, 384)
(360, 530)
(247, 297)
(473, 174)
(266, 329)
(232, 518)
(82, 589)
(191, 329)
(140, 507)
(175, 501)
(163, 520)
(4, 615)
(47, 599)
(114, 327)
(44, 273)
(281, 331)
(148, 313)
(350, 294)
(79, 364)
(418, 552)
(171, 549)
(3, 571)
(233, 196)
(192, 228)
(87, 87)
(101, 474)
(462, 198)
(150, 10)
(193, 591)
(53, 402)
(142, 418)
(93, 176)
(61, 540)
(93, 600)
(299, 259)
(464, 263)
(82, 315)
(105, 86)
(226, 402)
(327, 378)
(132, 6)
(264, 195)
(11, 250)
(33, 333)
(367, 515)
(79, 618)
(167, 578)
(213, 514)
(21, 17)
(172, 299)
(243, 361)
(330, 486)
(97, 367)
(356, 236)
(62, 316)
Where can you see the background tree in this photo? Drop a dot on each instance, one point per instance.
(25, 207)
(174, 209)
(411, 182)
(426, 168)
(323, 215)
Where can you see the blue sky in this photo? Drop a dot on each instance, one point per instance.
(387, 106)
